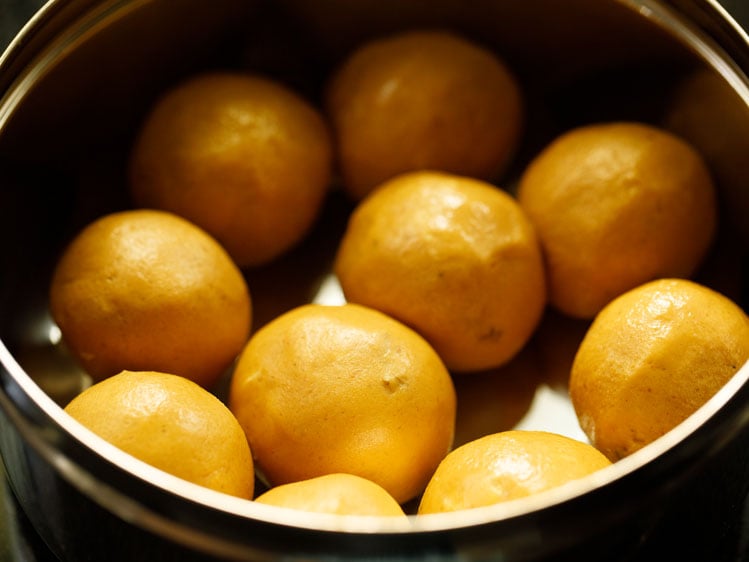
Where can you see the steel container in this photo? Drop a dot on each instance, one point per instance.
(75, 85)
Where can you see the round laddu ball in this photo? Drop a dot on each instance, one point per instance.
(651, 358)
(172, 424)
(506, 466)
(616, 205)
(146, 290)
(344, 389)
(240, 155)
(340, 494)
(423, 99)
(453, 257)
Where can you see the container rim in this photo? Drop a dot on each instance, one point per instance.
(47, 423)
(707, 28)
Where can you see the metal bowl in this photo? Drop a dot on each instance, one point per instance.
(74, 87)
